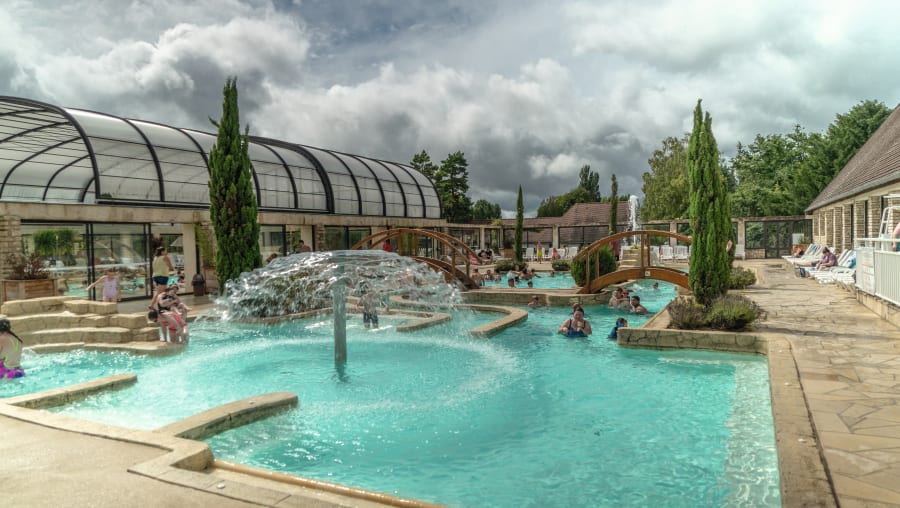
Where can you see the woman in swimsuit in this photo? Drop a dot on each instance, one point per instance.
(10, 352)
(110, 285)
(575, 326)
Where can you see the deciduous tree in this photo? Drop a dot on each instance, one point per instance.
(482, 209)
(666, 184)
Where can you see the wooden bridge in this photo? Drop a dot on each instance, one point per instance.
(447, 252)
(645, 269)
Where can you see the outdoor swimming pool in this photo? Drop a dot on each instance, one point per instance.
(525, 418)
(544, 281)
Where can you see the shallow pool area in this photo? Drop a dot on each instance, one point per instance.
(525, 418)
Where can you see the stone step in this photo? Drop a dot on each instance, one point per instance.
(35, 305)
(111, 334)
(35, 322)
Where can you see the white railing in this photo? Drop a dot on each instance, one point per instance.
(878, 268)
(887, 276)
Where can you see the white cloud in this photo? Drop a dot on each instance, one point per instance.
(529, 90)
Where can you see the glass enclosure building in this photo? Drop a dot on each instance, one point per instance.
(92, 191)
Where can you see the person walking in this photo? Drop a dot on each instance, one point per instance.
(162, 267)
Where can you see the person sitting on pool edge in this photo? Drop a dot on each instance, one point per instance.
(576, 326)
(614, 333)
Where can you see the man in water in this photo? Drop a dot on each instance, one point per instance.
(636, 307)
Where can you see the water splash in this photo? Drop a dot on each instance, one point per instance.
(307, 281)
(634, 219)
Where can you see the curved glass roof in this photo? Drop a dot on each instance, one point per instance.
(63, 155)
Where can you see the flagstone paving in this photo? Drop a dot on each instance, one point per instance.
(848, 361)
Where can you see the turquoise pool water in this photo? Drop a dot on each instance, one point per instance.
(527, 418)
(544, 281)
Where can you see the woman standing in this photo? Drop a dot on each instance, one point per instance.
(162, 267)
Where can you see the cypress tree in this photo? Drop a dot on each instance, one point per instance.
(709, 213)
(232, 202)
(520, 212)
(614, 206)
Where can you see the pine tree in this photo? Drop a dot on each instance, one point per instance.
(232, 202)
(709, 213)
(452, 187)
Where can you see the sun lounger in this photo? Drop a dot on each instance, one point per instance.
(666, 253)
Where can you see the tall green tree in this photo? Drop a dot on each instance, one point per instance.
(613, 205)
(482, 209)
(451, 182)
(421, 162)
(766, 170)
(590, 182)
(666, 184)
(453, 186)
(232, 202)
(520, 218)
(709, 213)
(829, 153)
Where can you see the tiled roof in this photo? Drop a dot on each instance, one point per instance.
(876, 164)
(579, 213)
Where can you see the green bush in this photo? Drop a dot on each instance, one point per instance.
(507, 265)
(607, 265)
(560, 266)
(741, 278)
(728, 312)
(686, 314)
(733, 312)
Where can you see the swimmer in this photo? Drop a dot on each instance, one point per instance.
(614, 333)
(636, 307)
(575, 326)
(535, 302)
(369, 303)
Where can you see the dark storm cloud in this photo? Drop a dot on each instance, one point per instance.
(529, 90)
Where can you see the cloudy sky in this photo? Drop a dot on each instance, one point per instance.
(530, 90)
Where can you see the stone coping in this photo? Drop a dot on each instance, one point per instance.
(227, 416)
(189, 463)
(803, 478)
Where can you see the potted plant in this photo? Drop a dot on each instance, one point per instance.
(27, 277)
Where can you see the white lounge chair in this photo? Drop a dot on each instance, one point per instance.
(666, 253)
(739, 251)
(572, 252)
(529, 254)
(681, 253)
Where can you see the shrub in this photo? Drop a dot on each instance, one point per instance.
(741, 278)
(27, 268)
(733, 312)
(607, 265)
(560, 266)
(507, 265)
(686, 314)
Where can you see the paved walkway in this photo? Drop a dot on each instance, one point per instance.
(848, 360)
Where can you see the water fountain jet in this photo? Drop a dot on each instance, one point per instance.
(318, 281)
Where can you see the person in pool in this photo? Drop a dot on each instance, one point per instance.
(575, 326)
(10, 352)
(614, 333)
